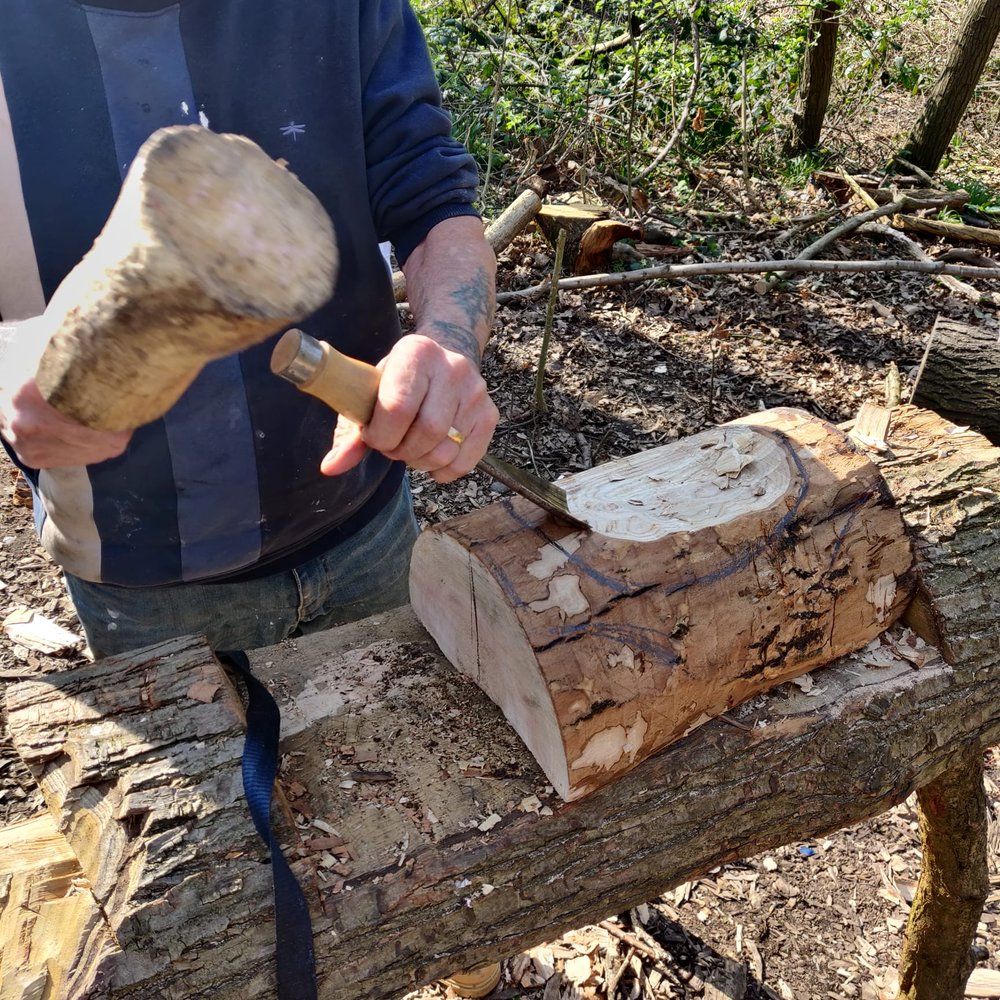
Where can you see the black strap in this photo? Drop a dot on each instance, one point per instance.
(293, 936)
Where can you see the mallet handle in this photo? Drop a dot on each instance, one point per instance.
(345, 384)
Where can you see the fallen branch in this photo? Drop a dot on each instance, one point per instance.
(500, 233)
(848, 226)
(946, 278)
(679, 272)
(951, 230)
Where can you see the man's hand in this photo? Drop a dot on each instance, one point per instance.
(426, 392)
(431, 387)
(42, 438)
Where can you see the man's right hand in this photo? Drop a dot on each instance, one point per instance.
(42, 438)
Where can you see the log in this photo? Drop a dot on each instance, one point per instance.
(211, 247)
(455, 853)
(961, 379)
(719, 566)
(50, 922)
(951, 230)
(501, 232)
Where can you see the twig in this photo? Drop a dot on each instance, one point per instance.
(550, 313)
(923, 364)
(633, 942)
(917, 171)
(686, 110)
(617, 977)
(748, 187)
(680, 271)
(949, 279)
(631, 115)
(497, 84)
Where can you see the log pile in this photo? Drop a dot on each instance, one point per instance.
(422, 829)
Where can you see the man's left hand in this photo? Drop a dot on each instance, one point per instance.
(426, 393)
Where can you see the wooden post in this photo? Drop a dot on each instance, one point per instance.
(954, 882)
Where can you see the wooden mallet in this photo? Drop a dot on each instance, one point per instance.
(211, 248)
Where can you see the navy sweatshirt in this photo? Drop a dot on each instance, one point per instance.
(227, 484)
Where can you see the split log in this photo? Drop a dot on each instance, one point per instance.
(961, 378)
(718, 567)
(455, 855)
(50, 923)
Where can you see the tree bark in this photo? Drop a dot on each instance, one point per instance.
(455, 854)
(719, 566)
(817, 76)
(961, 379)
(950, 96)
(954, 883)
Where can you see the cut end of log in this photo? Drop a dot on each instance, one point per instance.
(256, 240)
(719, 567)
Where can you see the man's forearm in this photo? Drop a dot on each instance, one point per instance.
(451, 284)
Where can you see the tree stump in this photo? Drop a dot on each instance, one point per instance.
(576, 219)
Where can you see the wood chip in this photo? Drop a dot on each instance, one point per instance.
(983, 983)
(488, 823)
(33, 630)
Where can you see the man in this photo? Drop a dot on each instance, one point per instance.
(233, 516)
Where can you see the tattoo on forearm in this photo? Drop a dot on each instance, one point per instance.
(474, 300)
(458, 338)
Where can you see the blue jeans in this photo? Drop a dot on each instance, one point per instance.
(363, 575)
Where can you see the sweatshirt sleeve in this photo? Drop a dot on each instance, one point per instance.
(418, 175)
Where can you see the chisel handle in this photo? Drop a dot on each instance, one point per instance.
(345, 384)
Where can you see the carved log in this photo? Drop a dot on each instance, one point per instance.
(719, 566)
(961, 379)
(449, 861)
(211, 247)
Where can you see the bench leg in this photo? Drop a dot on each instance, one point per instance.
(954, 882)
